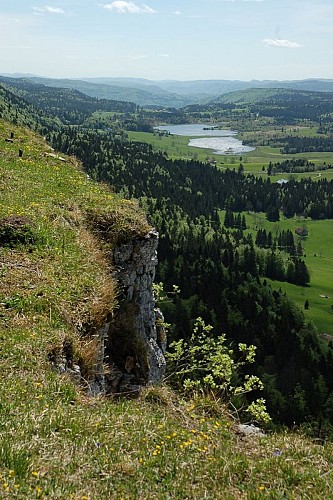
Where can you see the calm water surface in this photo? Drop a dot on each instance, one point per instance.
(220, 141)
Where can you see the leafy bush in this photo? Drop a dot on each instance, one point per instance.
(205, 363)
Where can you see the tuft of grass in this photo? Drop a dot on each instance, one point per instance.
(121, 226)
(88, 357)
(16, 230)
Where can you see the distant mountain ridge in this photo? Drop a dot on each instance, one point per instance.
(260, 95)
(206, 88)
(143, 95)
(171, 93)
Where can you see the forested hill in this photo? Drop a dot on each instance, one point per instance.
(218, 266)
(287, 104)
(68, 105)
(18, 111)
(144, 95)
(278, 95)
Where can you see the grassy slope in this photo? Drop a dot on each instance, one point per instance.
(317, 256)
(317, 248)
(56, 442)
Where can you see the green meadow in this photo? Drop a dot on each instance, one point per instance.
(318, 256)
(253, 162)
(176, 146)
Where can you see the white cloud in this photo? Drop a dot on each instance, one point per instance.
(177, 13)
(140, 56)
(164, 55)
(123, 7)
(277, 42)
(48, 10)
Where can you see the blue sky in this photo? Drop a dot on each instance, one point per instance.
(168, 39)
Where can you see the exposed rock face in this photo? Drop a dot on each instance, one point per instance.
(132, 345)
(136, 339)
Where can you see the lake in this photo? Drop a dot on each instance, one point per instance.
(220, 141)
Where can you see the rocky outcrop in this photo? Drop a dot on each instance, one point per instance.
(129, 348)
(136, 339)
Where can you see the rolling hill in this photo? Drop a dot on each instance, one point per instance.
(170, 93)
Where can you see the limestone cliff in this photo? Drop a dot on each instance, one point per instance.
(135, 342)
(130, 345)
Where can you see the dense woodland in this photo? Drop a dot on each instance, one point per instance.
(299, 165)
(290, 106)
(292, 145)
(218, 266)
(69, 107)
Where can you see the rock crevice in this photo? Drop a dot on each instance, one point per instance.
(135, 343)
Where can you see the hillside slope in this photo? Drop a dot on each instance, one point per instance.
(55, 440)
(277, 95)
(150, 95)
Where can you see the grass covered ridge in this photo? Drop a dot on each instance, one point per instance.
(55, 442)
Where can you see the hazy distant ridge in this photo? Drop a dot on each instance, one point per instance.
(173, 93)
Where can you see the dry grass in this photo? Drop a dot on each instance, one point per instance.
(121, 226)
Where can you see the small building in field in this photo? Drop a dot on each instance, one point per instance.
(301, 231)
(282, 181)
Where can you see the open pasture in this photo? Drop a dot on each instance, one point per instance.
(176, 146)
(318, 256)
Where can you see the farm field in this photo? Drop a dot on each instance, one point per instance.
(318, 256)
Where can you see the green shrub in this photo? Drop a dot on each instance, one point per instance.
(205, 363)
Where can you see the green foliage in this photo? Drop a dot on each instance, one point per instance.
(161, 296)
(206, 364)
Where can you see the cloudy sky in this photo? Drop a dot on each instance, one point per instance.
(168, 39)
